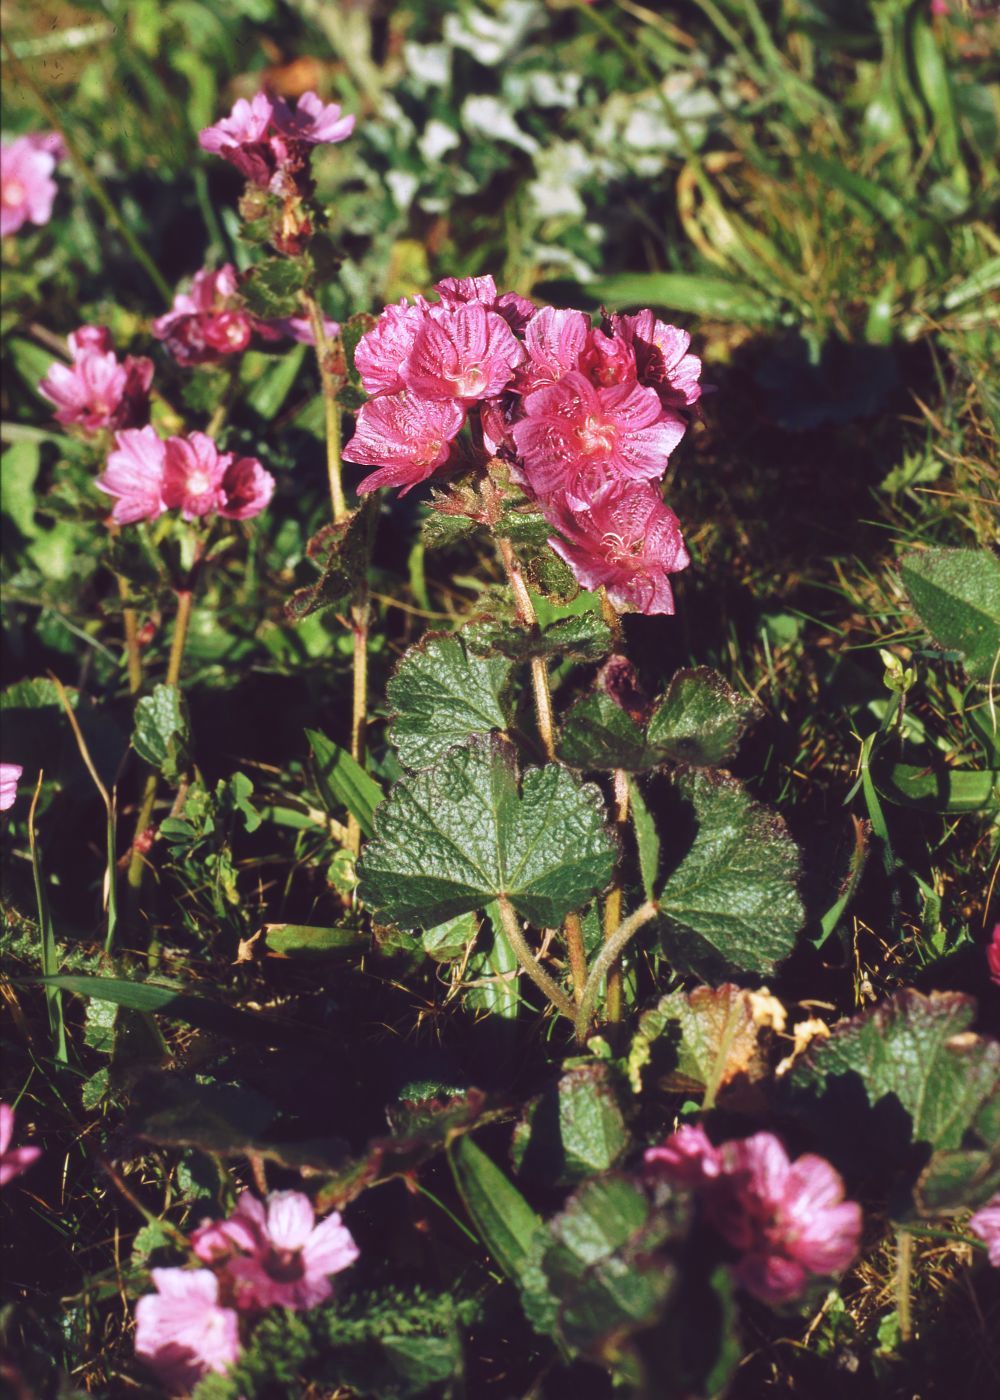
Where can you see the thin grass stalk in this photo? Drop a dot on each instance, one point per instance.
(49, 954)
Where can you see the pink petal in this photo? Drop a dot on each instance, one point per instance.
(290, 1219)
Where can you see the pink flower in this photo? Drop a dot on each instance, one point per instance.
(312, 121)
(407, 437)
(581, 440)
(986, 1225)
(13, 1161)
(467, 353)
(209, 322)
(193, 470)
(687, 1157)
(134, 475)
(296, 328)
(382, 352)
(993, 955)
(628, 541)
(181, 1332)
(661, 358)
(516, 310)
(246, 487)
(10, 776)
(554, 340)
(27, 190)
(787, 1220)
(269, 143)
(275, 1254)
(241, 139)
(97, 391)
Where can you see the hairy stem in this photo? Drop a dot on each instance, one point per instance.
(613, 902)
(360, 618)
(331, 407)
(573, 934)
(108, 208)
(904, 1263)
(605, 961)
(130, 623)
(531, 966)
(539, 670)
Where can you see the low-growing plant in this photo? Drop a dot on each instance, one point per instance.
(492, 1006)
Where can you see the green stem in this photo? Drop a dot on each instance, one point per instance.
(130, 621)
(529, 963)
(539, 671)
(904, 1263)
(331, 407)
(137, 864)
(108, 208)
(605, 961)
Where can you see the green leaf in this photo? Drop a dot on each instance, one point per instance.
(647, 840)
(597, 734)
(698, 722)
(954, 1181)
(351, 332)
(701, 719)
(956, 595)
(343, 782)
(306, 941)
(511, 1231)
(454, 837)
(162, 732)
(270, 379)
(584, 637)
(441, 694)
(602, 1266)
(272, 287)
(574, 1129)
(708, 1037)
(906, 1071)
(340, 552)
(714, 297)
(935, 788)
(448, 941)
(732, 903)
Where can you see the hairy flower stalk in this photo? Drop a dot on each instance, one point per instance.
(605, 961)
(528, 961)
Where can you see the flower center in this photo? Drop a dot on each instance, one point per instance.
(284, 1265)
(468, 382)
(198, 483)
(621, 551)
(14, 193)
(596, 435)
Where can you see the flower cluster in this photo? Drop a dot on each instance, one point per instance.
(147, 475)
(10, 776)
(586, 416)
(97, 390)
(211, 321)
(269, 143)
(787, 1220)
(267, 1254)
(13, 1160)
(27, 189)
